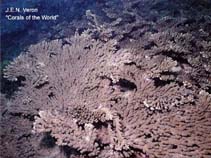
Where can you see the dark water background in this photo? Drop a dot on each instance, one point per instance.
(18, 35)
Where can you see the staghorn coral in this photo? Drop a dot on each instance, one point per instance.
(91, 100)
(186, 49)
(66, 131)
(166, 28)
(83, 136)
(98, 101)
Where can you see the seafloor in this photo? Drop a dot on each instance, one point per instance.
(108, 79)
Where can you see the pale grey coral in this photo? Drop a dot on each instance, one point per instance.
(190, 52)
(66, 131)
(170, 32)
(105, 102)
(86, 137)
(91, 100)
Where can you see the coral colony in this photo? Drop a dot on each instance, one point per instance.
(98, 94)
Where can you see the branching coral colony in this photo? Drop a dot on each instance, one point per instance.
(103, 102)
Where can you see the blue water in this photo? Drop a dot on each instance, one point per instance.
(17, 35)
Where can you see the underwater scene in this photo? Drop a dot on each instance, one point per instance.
(105, 79)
